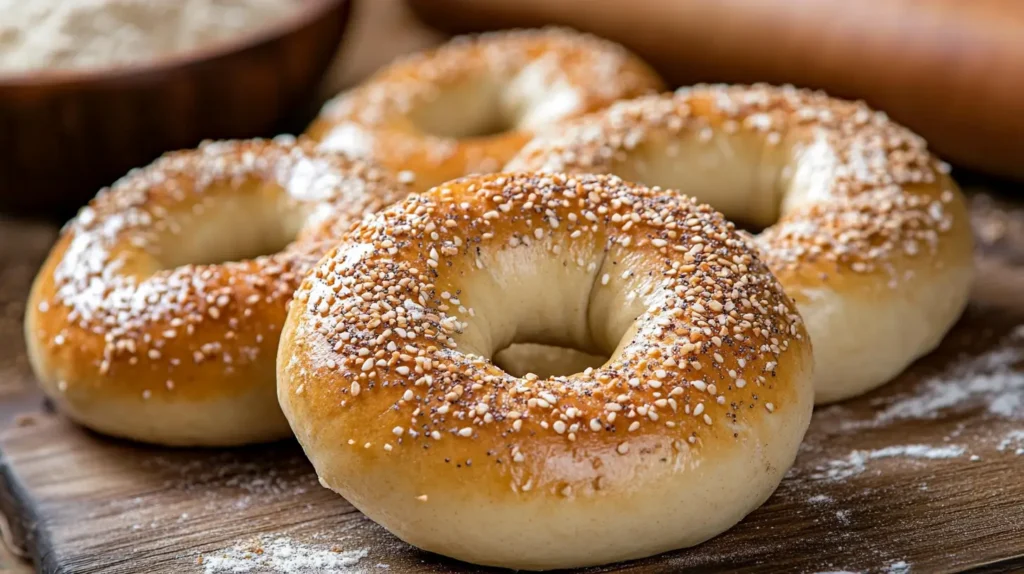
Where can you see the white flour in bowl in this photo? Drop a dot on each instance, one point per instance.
(63, 34)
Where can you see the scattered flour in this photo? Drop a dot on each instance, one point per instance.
(990, 380)
(820, 499)
(843, 516)
(900, 567)
(229, 480)
(1014, 441)
(281, 556)
(856, 462)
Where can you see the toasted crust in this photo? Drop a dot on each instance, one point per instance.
(131, 338)
(385, 377)
(867, 232)
(421, 115)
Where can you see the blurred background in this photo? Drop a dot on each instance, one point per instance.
(75, 117)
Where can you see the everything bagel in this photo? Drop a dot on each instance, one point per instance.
(384, 371)
(468, 106)
(868, 233)
(156, 317)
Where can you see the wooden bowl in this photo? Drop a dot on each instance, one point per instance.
(66, 134)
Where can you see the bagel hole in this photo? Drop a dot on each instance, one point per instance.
(463, 112)
(744, 225)
(746, 193)
(230, 227)
(545, 361)
(550, 331)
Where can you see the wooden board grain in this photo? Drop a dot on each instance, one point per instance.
(924, 475)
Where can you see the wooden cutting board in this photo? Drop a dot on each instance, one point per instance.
(924, 475)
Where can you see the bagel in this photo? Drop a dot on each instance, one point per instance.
(868, 233)
(468, 106)
(385, 377)
(135, 328)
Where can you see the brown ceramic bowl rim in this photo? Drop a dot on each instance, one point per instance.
(308, 12)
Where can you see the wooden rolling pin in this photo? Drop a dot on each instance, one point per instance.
(952, 70)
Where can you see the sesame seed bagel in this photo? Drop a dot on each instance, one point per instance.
(867, 231)
(134, 326)
(384, 371)
(468, 106)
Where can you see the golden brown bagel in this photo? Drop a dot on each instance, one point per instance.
(868, 233)
(468, 106)
(384, 371)
(951, 70)
(136, 328)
